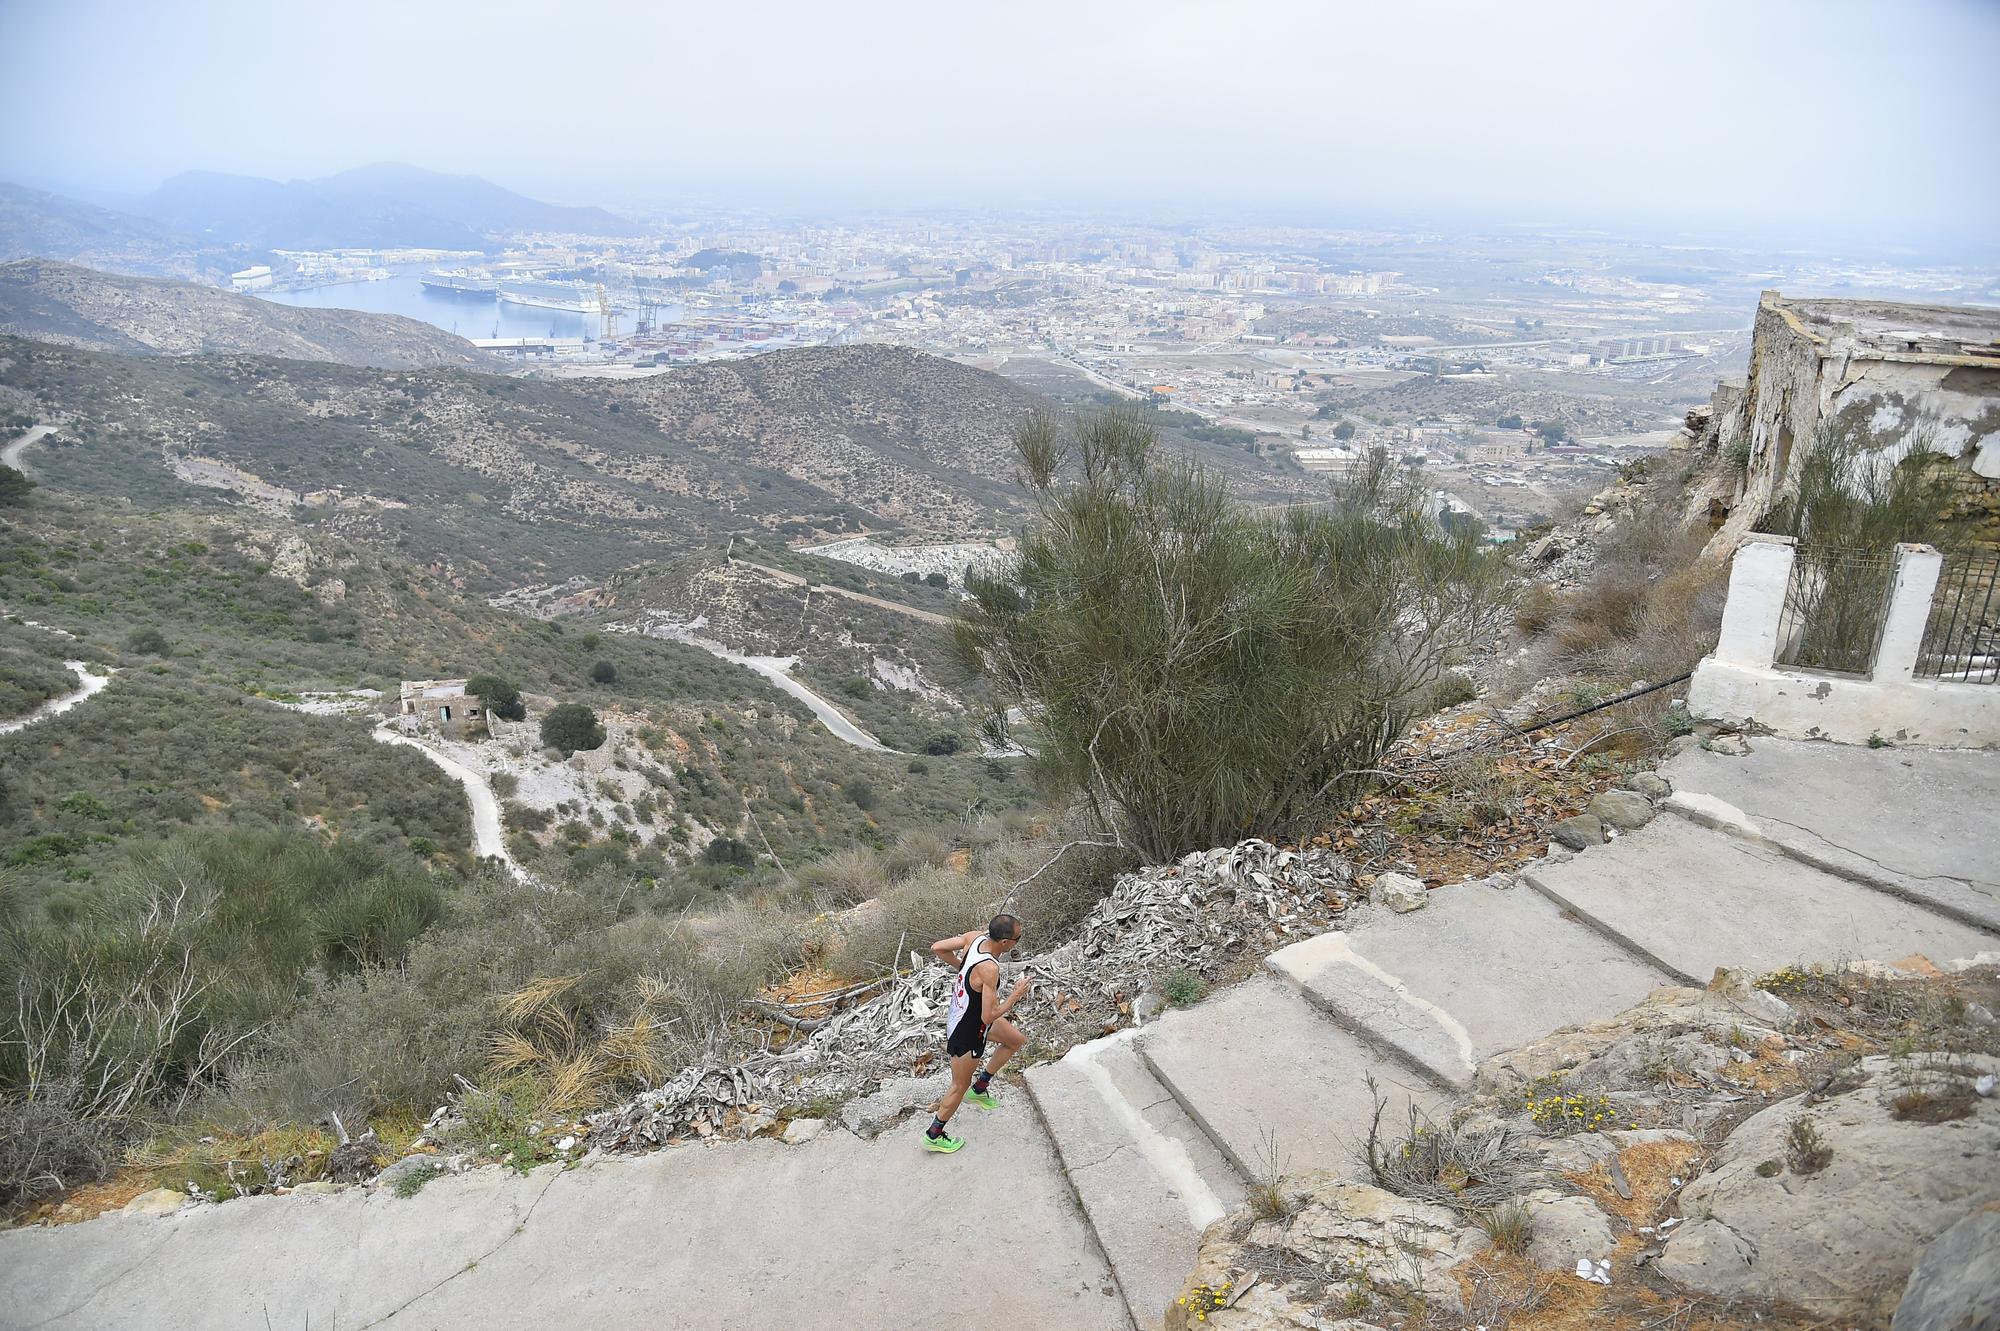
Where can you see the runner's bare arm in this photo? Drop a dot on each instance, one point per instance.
(951, 951)
(993, 1010)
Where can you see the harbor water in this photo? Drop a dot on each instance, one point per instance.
(467, 314)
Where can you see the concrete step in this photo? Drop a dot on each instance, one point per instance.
(1479, 970)
(1916, 823)
(1259, 1063)
(1689, 900)
(1149, 1180)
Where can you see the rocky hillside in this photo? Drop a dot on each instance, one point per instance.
(81, 307)
(916, 440)
(501, 482)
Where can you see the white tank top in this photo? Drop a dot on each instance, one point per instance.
(961, 993)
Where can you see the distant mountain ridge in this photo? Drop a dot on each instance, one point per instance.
(36, 223)
(386, 204)
(80, 307)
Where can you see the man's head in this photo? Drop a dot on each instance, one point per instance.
(1002, 934)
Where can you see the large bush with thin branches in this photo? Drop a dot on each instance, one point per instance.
(1198, 672)
(1852, 504)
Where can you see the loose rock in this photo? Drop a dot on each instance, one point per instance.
(1566, 1230)
(1399, 892)
(1650, 784)
(158, 1201)
(802, 1130)
(354, 1160)
(1625, 810)
(1580, 832)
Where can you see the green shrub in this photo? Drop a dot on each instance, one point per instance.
(1200, 673)
(147, 641)
(136, 1000)
(502, 699)
(571, 727)
(1851, 500)
(1183, 986)
(727, 850)
(843, 877)
(604, 673)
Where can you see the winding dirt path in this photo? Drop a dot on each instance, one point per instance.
(57, 706)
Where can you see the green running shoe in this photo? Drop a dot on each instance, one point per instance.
(984, 1099)
(943, 1144)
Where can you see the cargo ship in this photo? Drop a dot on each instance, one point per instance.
(461, 283)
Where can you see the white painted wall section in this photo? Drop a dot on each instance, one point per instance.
(1740, 684)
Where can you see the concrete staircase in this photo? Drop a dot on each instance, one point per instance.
(1162, 1129)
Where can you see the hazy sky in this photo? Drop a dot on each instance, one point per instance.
(1822, 112)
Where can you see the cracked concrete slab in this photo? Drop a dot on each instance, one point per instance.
(1146, 1175)
(1919, 823)
(728, 1235)
(1259, 1060)
(1482, 970)
(1693, 900)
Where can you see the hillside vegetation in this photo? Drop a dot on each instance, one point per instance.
(235, 533)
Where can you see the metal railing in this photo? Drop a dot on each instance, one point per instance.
(1834, 608)
(1962, 638)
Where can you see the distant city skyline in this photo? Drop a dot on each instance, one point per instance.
(1777, 118)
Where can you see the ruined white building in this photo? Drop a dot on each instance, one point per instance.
(1894, 378)
(1856, 645)
(442, 705)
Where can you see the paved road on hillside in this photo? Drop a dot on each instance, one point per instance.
(10, 455)
(777, 669)
(794, 580)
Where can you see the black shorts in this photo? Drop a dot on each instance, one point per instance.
(968, 1037)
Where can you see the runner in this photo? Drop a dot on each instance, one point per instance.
(977, 1014)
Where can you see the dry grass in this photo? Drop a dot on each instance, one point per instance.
(544, 1035)
(1270, 1193)
(1505, 1290)
(228, 1162)
(917, 850)
(962, 891)
(1649, 609)
(1650, 1168)
(1537, 608)
(91, 1200)
(1472, 1170)
(1509, 1227)
(927, 905)
(843, 878)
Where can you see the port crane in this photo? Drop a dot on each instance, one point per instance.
(609, 315)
